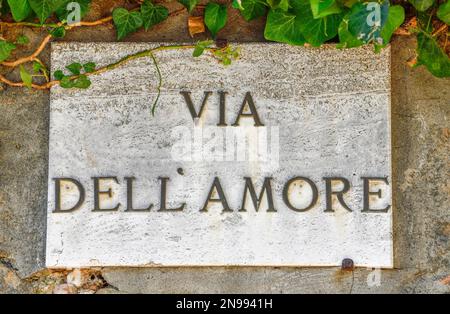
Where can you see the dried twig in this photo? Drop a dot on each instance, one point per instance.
(31, 57)
(444, 27)
(21, 84)
(47, 39)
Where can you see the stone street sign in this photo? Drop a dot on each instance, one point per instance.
(281, 159)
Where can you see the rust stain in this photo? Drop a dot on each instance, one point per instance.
(340, 275)
(446, 280)
(445, 133)
(12, 280)
(446, 229)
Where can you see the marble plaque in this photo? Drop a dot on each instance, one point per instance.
(281, 159)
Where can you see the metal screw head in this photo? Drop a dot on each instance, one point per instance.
(347, 264)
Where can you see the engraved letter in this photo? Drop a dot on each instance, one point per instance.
(221, 197)
(130, 197)
(251, 105)
(162, 207)
(58, 195)
(108, 192)
(368, 193)
(190, 104)
(329, 193)
(315, 194)
(257, 200)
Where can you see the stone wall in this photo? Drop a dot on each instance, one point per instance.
(421, 187)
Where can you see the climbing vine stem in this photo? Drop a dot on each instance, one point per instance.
(295, 22)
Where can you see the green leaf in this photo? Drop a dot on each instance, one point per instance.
(215, 17)
(201, 46)
(279, 4)
(432, 56)
(422, 5)
(62, 13)
(298, 25)
(366, 20)
(22, 40)
(284, 27)
(37, 67)
(59, 75)
(75, 68)
(5, 49)
(58, 32)
(443, 12)
(82, 82)
(347, 39)
(43, 8)
(20, 9)
(126, 22)
(189, 4)
(322, 8)
(26, 77)
(424, 21)
(153, 14)
(395, 19)
(227, 55)
(66, 82)
(4, 7)
(316, 31)
(252, 9)
(237, 4)
(89, 67)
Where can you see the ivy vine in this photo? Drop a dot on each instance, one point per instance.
(348, 23)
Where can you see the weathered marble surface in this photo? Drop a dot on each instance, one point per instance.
(332, 110)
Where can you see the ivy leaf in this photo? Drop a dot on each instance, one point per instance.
(316, 31)
(443, 12)
(322, 8)
(347, 39)
(201, 46)
(20, 9)
(298, 25)
(62, 13)
(5, 49)
(432, 56)
(82, 82)
(66, 82)
(26, 77)
(58, 32)
(75, 68)
(237, 4)
(284, 27)
(43, 8)
(395, 19)
(366, 21)
(22, 40)
(279, 4)
(189, 4)
(422, 5)
(4, 7)
(37, 67)
(252, 9)
(153, 14)
(227, 55)
(59, 75)
(215, 17)
(89, 67)
(126, 22)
